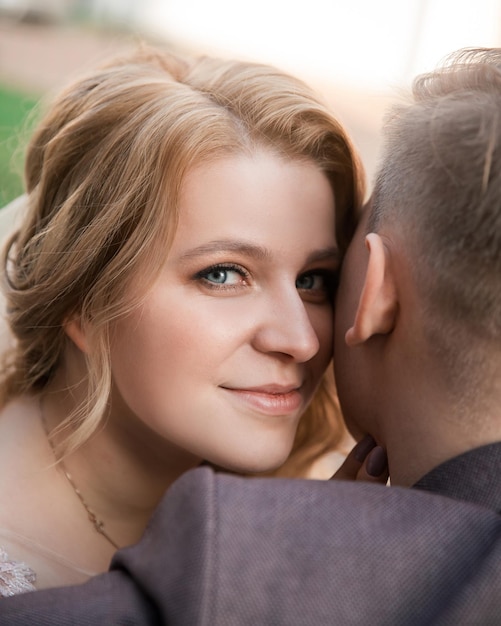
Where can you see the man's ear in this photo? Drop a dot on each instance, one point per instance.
(75, 330)
(377, 306)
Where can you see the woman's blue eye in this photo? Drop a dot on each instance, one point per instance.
(311, 281)
(223, 276)
(217, 276)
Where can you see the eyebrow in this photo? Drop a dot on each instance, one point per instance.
(228, 245)
(255, 251)
(324, 254)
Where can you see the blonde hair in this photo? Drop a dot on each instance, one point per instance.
(103, 174)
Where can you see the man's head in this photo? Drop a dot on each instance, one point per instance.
(440, 186)
(426, 316)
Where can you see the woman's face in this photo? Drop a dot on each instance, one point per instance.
(234, 336)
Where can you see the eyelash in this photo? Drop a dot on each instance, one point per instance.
(330, 281)
(328, 291)
(229, 267)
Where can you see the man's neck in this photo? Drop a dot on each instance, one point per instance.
(423, 442)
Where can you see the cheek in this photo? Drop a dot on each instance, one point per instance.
(156, 361)
(147, 345)
(172, 343)
(345, 303)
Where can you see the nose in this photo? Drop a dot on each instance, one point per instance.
(285, 328)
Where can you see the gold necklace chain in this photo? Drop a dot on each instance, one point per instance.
(93, 518)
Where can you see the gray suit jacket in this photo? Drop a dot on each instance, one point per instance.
(223, 550)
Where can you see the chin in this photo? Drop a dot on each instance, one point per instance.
(256, 464)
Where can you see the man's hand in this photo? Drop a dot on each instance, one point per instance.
(367, 461)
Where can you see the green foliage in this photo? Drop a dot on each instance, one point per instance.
(15, 124)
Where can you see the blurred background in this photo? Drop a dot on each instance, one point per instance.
(359, 53)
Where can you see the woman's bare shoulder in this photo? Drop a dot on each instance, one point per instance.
(25, 462)
(22, 448)
(32, 529)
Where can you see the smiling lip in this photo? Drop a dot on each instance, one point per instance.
(269, 399)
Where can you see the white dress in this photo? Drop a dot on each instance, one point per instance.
(28, 566)
(15, 576)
